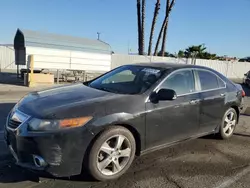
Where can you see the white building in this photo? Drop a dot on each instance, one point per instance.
(52, 51)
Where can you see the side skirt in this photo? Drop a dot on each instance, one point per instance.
(149, 150)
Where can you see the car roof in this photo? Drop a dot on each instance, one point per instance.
(169, 65)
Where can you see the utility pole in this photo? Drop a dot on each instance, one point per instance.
(128, 46)
(98, 35)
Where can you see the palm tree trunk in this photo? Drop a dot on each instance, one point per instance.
(163, 45)
(156, 12)
(139, 26)
(169, 7)
(143, 26)
(161, 31)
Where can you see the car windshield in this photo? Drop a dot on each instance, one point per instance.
(130, 79)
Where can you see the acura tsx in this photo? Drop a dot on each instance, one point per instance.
(99, 126)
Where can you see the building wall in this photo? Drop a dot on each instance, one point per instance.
(64, 59)
(233, 70)
(7, 58)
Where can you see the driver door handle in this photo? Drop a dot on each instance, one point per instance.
(222, 94)
(195, 101)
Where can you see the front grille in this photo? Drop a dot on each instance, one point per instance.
(13, 124)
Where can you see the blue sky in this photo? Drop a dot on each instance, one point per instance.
(222, 25)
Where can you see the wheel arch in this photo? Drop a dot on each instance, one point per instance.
(237, 111)
(133, 130)
(136, 135)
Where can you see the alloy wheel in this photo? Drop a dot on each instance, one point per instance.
(113, 155)
(229, 123)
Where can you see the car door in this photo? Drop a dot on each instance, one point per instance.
(169, 121)
(213, 93)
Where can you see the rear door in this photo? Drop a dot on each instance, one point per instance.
(212, 95)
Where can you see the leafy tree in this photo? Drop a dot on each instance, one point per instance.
(166, 54)
(181, 54)
(197, 51)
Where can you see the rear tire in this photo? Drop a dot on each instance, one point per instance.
(111, 154)
(228, 124)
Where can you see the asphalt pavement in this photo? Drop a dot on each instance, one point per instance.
(204, 162)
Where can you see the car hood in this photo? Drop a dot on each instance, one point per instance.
(50, 101)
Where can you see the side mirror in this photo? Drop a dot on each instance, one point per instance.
(166, 94)
(245, 74)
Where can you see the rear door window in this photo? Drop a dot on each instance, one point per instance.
(209, 80)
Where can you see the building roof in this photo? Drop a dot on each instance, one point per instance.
(49, 40)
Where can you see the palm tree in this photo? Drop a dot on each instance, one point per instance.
(139, 26)
(169, 6)
(199, 50)
(143, 25)
(180, 54)
(156, 12)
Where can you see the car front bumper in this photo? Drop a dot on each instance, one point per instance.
(62, 152)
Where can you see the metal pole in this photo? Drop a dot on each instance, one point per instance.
(17, 71)
(31, 82)
(57, 77)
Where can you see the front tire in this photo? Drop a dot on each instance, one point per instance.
(111, 154)
(228, 124)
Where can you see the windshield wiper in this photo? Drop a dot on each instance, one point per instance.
(109, 90)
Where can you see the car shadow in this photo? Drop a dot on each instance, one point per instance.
(165, 162)
(11, 173)
(241, 134)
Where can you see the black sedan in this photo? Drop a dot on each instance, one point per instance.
(246, 79)
(101, 125)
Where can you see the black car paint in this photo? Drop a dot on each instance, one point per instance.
(158, 127)
(152, 124)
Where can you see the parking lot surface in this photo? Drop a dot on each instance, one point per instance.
(204, 162)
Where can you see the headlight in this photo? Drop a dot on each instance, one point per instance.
(43, 125)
